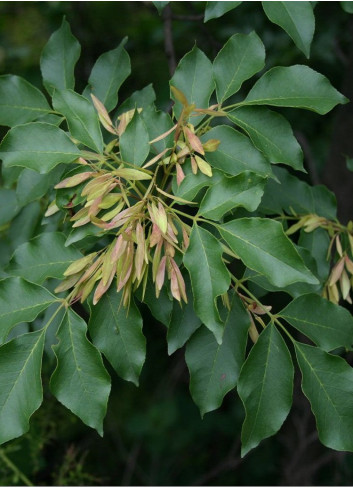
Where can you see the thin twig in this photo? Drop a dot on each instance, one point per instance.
(14, 468)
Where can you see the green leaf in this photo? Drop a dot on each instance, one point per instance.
(161, 308)
(32, 185)
(134, 142)
(295, 86)
(262, 246)
(229, 160)
(117, 333)
(157, 123)
(108, 74)
(80, 381)
(271, 133)
(20, 301)
(9, 207)
(214, 369)
(317, 242)
(42, 257)
(192, 184)
(291, 194)
(347, 7)
(81, 117)
(244, 190)
(38, 146)
(209, 280)
(265, 387)
(214, 10)
(241, 57)
(142, 99)
(20, 101)
(21, 391)
(193, 77)
(58, 59)
(296, 18)
(328, 384)
(183, 322)
(160, 6)
(326, 324)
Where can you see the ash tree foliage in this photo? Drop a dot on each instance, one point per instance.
(198, 214)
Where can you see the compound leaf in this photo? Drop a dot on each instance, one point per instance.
(21, 391)
(117, 333)
(38, 146)
(80, 381)
(265, 387)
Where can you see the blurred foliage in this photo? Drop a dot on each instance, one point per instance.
(154, 434)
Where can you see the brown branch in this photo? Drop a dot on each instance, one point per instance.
(167, 16)
(195, 18)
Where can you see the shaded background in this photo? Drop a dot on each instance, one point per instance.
(154, 434)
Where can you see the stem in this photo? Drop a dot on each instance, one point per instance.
(14, 468)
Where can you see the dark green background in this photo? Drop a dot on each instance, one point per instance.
(154, 434)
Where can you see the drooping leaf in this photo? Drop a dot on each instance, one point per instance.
(32, 185)
(262, 246)
(80, 381)
(214, 10)
(134, 142)
(244, 190)
(328, 384)
(296, 18)
(225, 158)
(108, 74)
(183, 322)
(81, 117)
(117, 333)
(20, 102)
(9, 205)
(214, 369)
(193, 77)
(20, 301)
(295, 86)
(292, 194)
(265, 387)
(21, 391)
(242, 56)
(38, 146)
(271, 133)
(42, 257)
(58, 59)
(326, 324)
(209, 280)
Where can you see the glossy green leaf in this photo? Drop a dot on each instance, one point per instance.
(183, 322)
(244, 190)
(32, 185)
(81, 116)
(317, 243)
(214, 10)
(157, 123)
(42, 257)
(328, 384)
(192, 184)
(9, 205)
(271, 133)
(209, 280)
(109, 72)
(134, 142)
(296, 18)
(292, 194)
(242, 56)
(265, 387)
(193, 77)
(21, 391)
(262, 246)
(326, 324)
(58, 59)
(20, 101)
(117, 333)
(142, 99)
(246, 156)
(80, 381)
(214, 369)
(295, 86)
(20, 301)
(38, 146)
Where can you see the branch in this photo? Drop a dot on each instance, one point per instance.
(167, 16)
